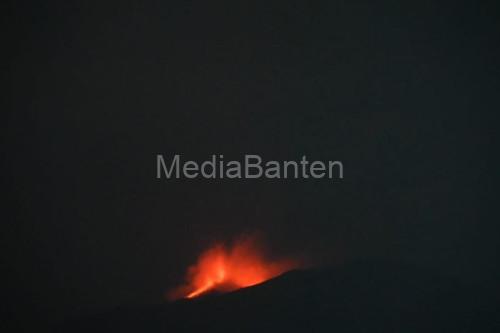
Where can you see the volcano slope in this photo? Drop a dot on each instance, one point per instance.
(359, 297)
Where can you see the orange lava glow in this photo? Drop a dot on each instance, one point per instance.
(224, 269)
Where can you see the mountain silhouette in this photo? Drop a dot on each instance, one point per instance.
(361, 297)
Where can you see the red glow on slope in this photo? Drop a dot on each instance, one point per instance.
(225, 269)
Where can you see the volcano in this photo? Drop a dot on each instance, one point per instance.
(355, 298)
(224, 268)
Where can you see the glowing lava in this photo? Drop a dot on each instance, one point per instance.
(225, 269)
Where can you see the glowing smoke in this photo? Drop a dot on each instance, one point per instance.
(222, 268)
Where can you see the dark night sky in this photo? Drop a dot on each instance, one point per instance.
(403, 95)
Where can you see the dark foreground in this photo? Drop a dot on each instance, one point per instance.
(357, 298)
